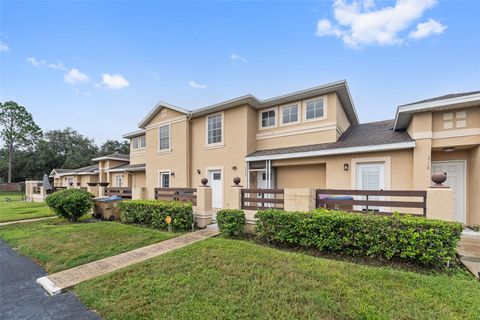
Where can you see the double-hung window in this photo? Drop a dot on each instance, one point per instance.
(268, 118)
(290, 114)
(314, 109)
(164, 137)
(135, 143)
(214, 129)
(143, 141)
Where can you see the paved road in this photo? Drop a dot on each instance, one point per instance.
(22, 298)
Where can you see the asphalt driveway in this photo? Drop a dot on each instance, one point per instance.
(22, 298)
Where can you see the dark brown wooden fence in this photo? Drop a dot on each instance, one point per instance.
(368, 203)
(121, 192)
(179, 194)
(262, 199)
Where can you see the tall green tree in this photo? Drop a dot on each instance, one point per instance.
(18, 130)
(111, 146)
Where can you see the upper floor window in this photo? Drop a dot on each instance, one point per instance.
(139, 142)
(268, 118)
(290, 114)
(214, 129)
(164, 137)
(314, 109)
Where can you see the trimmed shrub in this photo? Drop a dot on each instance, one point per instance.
(70, 204)
(416, 239)
(154, 213)
(231, 222)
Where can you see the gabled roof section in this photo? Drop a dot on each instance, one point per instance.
(113, 156)
(445, 102)
(88, 170)
(339, 87)
(159, 106)
(367, 137)
(128, 168)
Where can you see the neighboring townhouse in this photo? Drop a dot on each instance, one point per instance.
(114, 168)
(312, 139)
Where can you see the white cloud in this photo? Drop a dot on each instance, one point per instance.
(75, 76)
(196, 85)
(4, 47)
(114, 81)
(34, 62)
(236, 57)
(361, 23)
(57, 66)
(426, 29)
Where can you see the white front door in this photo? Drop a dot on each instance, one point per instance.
(370, 176)
(215, 181)
(261, 180)
(455, 171)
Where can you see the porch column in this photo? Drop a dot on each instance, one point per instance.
(203, 211)
(440, 204)
(235, 195)
(299, 199)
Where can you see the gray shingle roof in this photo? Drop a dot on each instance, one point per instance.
(366, 134)
(130, 167)
(446, 96)
(91, 168)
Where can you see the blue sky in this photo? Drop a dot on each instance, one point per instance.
(74, 63)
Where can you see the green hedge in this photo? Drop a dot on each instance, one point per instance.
(153, 213)
(231, 222)
(70, 204)
(423, 241)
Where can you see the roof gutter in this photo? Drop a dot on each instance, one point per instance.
(338, 151)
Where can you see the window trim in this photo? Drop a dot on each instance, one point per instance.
(261, 112)
(121, 176)
(138, 140)
(162, 172)
(169, 149)
(214, 145)
(299, 113)
(325, 108)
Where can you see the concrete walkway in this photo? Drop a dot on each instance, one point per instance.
(24, 221)
(469, 252)
(55, 283)
(21, 298)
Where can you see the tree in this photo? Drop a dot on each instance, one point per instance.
(111, 146)
(18, 130)
(65, 149)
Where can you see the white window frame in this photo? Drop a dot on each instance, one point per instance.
(169, 149)
(299, 113)
(140, 142)
(135, 140)
(215, 144)
(261, 112)
(116, 180)
(161, 173)
(325, 108)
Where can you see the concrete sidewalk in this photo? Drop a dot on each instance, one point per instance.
(26, 220)
(469, 252)
(55, 283)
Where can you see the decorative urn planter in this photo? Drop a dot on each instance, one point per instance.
(79, 183)
(92, 184)
(438, 178)
(204, 182)
(103, 184)
(70, 184)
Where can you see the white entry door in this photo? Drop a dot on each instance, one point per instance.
(215, 181)
(455, 171)
(370, 176)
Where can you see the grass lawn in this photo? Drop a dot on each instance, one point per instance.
(57, 244)
(232, 279)
(20, 210)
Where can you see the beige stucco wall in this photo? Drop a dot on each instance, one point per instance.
(301, 176)
(309, 132)
(472, 118)
(473, 170)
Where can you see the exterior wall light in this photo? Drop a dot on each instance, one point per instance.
(345, 167)
(449, 149)
(234, 168)
(198, 171)
(172, 173)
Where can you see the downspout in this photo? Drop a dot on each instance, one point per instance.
(188, 151)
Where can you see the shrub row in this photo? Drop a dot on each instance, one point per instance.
(154, 213)
(416, 239)
(231, 222)
(70, 204)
